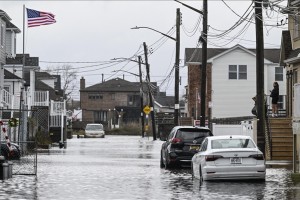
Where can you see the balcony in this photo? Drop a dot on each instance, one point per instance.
(38, 98)
(7, 99)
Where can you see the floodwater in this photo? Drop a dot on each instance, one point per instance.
(127, 167)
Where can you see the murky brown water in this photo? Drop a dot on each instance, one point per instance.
(127, 167)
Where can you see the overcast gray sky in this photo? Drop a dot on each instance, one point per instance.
(98, 31)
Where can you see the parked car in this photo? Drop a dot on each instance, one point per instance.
(94, 130)
(181, 145)
(14, 154)
(229, 157)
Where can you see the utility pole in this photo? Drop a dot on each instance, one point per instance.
(141, 96)
(260, 94)
(203, 38)
(176, 106)
(149, 90)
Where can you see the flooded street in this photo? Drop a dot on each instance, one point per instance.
(127, 167)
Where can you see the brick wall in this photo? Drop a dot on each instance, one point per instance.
(194, 85)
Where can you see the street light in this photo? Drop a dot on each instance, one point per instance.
(138, 27)
(120, 70)
(177, 40)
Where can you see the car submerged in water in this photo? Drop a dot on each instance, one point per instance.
(229, 157)
(94, 131)
(181, 145)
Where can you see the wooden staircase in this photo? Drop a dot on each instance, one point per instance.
(281, 138)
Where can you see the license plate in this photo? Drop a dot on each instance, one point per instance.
(236, 160)
(194, 147)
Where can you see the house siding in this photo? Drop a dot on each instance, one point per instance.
(2, 47)
(9, 43)
(233, 98)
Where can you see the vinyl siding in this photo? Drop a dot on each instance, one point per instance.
(2, 47)
(233, 98)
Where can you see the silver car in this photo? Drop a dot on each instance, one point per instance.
(229, 157)
(94, 130)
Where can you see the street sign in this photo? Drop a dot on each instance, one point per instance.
(147, 110)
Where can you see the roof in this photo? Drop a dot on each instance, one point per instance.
(53, 94)
(9, 75)
(116, 85)
(4, 14)
(11, 26)
(195, 54)
(18, 60)
(228, 136)
(196, 127)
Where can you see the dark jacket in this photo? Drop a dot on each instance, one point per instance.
(275, 95)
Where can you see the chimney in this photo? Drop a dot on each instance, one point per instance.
(82, 83)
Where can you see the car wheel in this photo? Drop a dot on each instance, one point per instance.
(200, 174)
(166, 164)
(161, 161)
(193, 176)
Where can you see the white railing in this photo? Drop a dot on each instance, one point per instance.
(55, 120)
(7, 99)
(40, 98)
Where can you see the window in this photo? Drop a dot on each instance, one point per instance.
(100, 116)
(95, 96)
(238, 72)
(278, 73)
(232, 72)
(204, 145)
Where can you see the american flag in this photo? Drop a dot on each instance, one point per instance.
(38, 18)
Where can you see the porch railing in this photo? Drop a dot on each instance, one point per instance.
(40, 98)
(7, 99)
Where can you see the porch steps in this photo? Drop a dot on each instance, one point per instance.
(281, 139)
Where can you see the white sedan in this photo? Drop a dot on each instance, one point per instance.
(228, 157)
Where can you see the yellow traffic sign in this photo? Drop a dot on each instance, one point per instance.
(147, 110)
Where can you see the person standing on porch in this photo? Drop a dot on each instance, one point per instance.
(275, 96)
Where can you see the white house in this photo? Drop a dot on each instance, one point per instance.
(231, 79)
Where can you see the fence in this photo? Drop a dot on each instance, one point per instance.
(20, 136)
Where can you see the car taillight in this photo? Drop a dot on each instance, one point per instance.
(212, 157)
(175, 140)
(257, 156)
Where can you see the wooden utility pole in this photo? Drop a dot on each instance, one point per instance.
(141, 96)
(177, 106)
(260, 94)
(149, 90)
(203, 65)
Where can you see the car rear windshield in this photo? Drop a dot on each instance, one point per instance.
(192, 134)
(232, 143)
(94, 127)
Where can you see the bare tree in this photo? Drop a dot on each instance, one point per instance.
(68, 79)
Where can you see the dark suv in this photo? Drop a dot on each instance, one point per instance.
(181, 145)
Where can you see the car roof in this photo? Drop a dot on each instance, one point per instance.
(229, 137)
(93, 124)
(196, 127)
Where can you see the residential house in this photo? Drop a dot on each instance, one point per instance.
(231, 80)
(108, 101)
(8, 33)
(165, 104)
(290, 51)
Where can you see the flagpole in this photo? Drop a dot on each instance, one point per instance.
(21, 115)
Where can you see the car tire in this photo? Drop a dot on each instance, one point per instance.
(200, 174)
(193, 176)
(161, 161)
